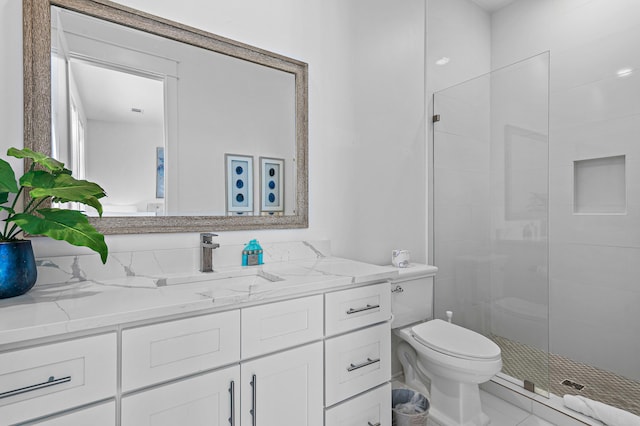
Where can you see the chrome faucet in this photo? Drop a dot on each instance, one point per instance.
(206, 251)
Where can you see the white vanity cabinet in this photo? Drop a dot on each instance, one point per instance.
(52, 378)
(358, 361)
(174, 350)
(315, 360)
(276, 379)
(283, 388)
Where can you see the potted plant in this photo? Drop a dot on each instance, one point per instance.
(46, 180)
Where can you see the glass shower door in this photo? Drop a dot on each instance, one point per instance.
(490, 215)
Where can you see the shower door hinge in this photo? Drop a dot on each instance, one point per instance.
(530, 386)
(436, 118)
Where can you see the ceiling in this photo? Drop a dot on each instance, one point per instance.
(111, 95)
(492, 5)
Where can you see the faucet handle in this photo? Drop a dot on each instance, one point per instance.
(207, 237)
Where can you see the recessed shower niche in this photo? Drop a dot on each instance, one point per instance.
(599, 186)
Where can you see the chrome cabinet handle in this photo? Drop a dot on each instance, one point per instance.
(369, 361)
(254, 389)
(366, 308)
(232, 395)
(374, 424)
(51, 381)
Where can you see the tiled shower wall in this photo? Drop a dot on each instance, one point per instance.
(594, 114)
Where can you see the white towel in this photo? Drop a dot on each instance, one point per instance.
(607, 414)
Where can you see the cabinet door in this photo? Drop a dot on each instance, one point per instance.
(284, 389)
(210, 399)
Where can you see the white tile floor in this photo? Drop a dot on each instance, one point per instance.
(508, 408)
(502, 413)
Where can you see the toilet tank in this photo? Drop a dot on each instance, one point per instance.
(412, 295)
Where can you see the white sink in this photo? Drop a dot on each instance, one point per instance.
(243, 277)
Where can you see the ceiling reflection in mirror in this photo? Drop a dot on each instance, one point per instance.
(152, 119)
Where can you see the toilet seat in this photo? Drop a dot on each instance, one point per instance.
(456, 341)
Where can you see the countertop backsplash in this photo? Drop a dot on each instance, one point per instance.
(155, 263)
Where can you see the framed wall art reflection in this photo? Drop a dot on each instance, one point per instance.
(239, 184)
(160, 172)
(271, 186)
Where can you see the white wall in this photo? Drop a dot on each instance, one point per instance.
(366, 109)
(593, 267)
(461, 31)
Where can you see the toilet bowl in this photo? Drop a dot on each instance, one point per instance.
(455, 360)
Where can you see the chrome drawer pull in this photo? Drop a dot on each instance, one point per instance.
(254, 390)
(52, 381)
(232, 392)
(374, 424)
(369, 361)
(366, 308)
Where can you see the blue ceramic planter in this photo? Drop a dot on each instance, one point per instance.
(18, 271)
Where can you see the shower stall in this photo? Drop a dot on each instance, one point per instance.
(536, 226)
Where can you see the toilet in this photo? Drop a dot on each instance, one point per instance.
(455, 360)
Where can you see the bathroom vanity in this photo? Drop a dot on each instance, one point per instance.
(299, 342)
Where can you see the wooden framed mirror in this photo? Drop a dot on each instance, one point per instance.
(191, 174)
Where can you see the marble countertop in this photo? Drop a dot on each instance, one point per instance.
(83, 305)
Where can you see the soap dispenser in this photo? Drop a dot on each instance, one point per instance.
(252, 254)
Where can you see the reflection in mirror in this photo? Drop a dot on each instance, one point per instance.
(113, 79)
(151, 116)
(114, 112)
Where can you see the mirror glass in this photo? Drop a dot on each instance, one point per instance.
(161, 117)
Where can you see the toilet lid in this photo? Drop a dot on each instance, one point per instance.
(454, 340)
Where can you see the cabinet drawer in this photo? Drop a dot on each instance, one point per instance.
(275, 326)
(99, 415)
(46, 379)
(164, 351)
(210, 399)
(356, 362)
(369, 409)
(350, 309)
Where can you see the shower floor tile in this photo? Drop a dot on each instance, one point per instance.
(524, 362)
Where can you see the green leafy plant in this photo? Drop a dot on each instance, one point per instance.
(48, 179)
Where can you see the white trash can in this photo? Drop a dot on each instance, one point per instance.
(410, 408)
